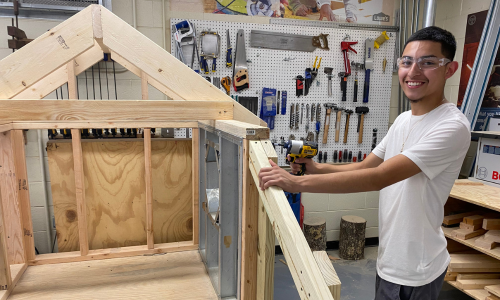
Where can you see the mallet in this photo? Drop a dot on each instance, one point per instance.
(361, 110)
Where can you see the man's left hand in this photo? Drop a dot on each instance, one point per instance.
(276, 176)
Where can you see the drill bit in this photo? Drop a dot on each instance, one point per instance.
(297, 116)
(301, 113)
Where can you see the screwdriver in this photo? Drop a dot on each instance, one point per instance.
(326, 153)
(340, 156)
(335, 156)
(320, 156)
(350, 155)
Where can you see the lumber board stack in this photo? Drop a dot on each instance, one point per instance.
(475, 272)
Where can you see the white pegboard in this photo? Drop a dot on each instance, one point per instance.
(268, 69)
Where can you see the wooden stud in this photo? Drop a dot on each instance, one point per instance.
(149, 188)
(195, 137)
(10, 201)
(16, 272)
(105, 110)
(240, 129)
(305, 272)
(266, 243)
(23, 193)
(144, 86)
(5, 277)
(72, 89)
(249, 231)
(81, 206)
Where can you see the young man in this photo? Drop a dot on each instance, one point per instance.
(414, 167)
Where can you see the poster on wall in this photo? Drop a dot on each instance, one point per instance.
(491, 100)
(375, 12)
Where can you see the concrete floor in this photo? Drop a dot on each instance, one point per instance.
(357, 277)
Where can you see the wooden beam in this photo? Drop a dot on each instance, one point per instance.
(99, 124)
(10, 201)
(249, 231)
(72, 87)
(195, 137)
(5, 277)
(144, 86)
(266, 246)
(23, 193)
(305, 272)
(328, 271)
(65, 257)
(149, 188)
(104, 110)
(5, 126)
(54, 80)
(123, 39)
(81, 206)
(46, 54)
(16, 272)
(132, 68)
(240, 129)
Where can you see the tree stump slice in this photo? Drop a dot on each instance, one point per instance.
(352, 238)
(315, 233)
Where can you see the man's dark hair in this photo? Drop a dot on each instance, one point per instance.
(436, 34)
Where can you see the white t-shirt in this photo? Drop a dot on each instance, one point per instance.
(412, 246)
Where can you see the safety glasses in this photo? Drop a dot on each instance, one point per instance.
(423, 63)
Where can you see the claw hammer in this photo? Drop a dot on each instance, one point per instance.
(338, 110)
(328, 107)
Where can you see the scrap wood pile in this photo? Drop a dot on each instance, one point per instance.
(475, 271)
(486, 226)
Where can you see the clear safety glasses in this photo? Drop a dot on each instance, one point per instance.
(423, 63)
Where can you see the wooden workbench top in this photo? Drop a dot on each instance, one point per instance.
(476, 193)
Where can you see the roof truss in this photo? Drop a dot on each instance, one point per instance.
(43, 65)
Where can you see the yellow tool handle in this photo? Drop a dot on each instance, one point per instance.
(319, 64)
(315, 60)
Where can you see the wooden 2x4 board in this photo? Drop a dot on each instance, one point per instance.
(115, 192)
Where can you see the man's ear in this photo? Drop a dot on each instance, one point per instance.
(451, 69)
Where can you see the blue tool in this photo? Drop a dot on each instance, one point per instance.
(283, 102)
(268, 106)
(229, 51)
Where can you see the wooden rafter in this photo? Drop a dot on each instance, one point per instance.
(46, 54)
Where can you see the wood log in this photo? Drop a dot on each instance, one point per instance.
(352, 238)
(315, 233)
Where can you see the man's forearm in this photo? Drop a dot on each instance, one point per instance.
(327, 168)
(349, 181)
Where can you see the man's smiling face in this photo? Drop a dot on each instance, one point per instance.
(416, 83)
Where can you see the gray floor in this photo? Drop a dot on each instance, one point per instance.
(357, 277)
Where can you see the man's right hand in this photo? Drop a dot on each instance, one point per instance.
(310, 165)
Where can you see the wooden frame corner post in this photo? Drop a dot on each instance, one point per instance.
(81, 205)
(149, 189)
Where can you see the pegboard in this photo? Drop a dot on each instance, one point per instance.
(268, 68)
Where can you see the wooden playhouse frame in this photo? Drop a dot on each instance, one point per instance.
(55, 58)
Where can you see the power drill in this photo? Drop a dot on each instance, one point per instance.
(300, 149)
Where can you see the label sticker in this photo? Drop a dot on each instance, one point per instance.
(250, 132)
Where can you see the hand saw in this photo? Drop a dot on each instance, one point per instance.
(240, 70)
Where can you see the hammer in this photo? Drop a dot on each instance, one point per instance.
(328, 72)
(361, 110)
(337, 122)
(328, 107)
(346, 129)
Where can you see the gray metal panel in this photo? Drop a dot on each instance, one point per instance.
(228, 218)
(212, 255)
(485, 57)
(202, 223)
